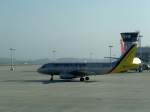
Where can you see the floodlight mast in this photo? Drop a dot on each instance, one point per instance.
(54, 55)
(110, 52)
(12, 59)
(91, 55)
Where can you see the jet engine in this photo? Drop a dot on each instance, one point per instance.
(66, 76)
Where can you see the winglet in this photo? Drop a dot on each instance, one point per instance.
(126, 61)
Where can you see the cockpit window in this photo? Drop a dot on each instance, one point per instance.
(44, 66)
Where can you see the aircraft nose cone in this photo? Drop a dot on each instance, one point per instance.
(39, 70)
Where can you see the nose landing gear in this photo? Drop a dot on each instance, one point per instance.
(52, 77)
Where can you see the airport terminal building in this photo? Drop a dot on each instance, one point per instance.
(144, 54)
(130, 38)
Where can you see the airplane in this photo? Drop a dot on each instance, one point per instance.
(83, 70)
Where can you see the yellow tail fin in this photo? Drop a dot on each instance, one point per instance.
(126, 61)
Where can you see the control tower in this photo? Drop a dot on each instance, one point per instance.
(129, 38)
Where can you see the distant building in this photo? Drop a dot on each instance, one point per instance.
(129, 38)
(144, 54)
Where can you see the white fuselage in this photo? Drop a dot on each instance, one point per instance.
(75, 69)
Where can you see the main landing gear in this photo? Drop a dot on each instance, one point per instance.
(52, 78)
(86, 78)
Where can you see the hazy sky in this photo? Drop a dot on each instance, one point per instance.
(73, 28)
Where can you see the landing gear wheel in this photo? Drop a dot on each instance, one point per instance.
(82, 79)
(51, 79)
(140, 69)
(87, 78)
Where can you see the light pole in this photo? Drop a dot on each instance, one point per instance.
(12, 61)
(91, 56)
(110, 46)
(54, 54)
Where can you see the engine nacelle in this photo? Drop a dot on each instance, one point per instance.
(66, 76)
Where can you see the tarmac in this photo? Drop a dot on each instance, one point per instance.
(25, 90)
